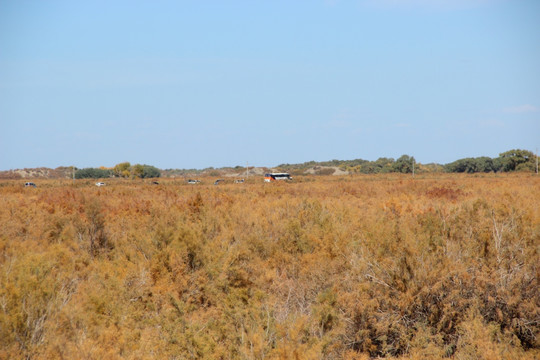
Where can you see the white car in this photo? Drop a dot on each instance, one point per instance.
(100, 184)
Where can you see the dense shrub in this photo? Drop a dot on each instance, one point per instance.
(149, 171)
(333, 268)
(93, 173)
(513, 160)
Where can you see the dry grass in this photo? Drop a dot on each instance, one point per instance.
(328, 267)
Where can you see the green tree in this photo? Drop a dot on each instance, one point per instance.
(150, 172)
(471, 165)
(516, 160)
(484, 164)
(468, 165)
(404, 164)
(385, 165)
(368, 168)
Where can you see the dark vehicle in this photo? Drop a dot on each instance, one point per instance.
(218, 181)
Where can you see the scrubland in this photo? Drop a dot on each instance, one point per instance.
(352, 267)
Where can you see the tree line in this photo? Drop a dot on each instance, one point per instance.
(404, 164)
(123, 170)
(512, 160)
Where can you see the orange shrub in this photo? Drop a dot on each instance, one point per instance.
(325, 267)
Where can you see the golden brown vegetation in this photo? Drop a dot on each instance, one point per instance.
(325, 268)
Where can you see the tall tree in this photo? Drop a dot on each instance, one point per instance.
(404, 164)
(516, 160)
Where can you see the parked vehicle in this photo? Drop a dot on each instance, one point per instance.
(29, 184)
(192, 182)
(218, 181)
(100, 184)
(276, 176)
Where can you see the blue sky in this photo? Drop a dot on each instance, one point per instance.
(194, 84)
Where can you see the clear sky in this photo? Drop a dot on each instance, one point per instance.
(194, 84)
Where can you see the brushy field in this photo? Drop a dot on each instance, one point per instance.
(352, 267)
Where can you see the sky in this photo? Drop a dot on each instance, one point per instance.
(196, 84)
